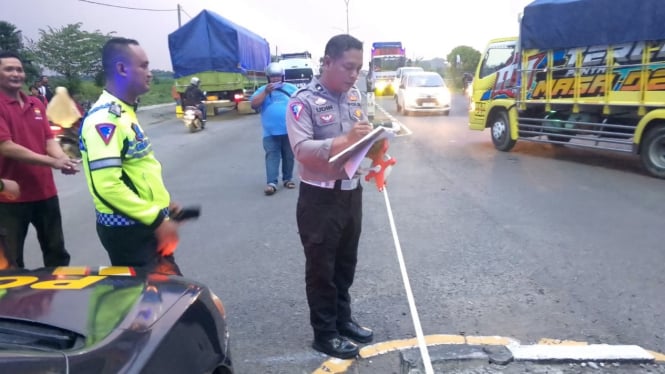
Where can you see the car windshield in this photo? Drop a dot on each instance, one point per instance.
(411, 70)
(432, 80)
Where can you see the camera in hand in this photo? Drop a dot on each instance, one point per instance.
(187, 213)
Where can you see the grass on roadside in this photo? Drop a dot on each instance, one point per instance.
(160, 92)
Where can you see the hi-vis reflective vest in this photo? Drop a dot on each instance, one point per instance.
(124, 177)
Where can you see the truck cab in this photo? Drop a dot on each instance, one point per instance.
(299, 68)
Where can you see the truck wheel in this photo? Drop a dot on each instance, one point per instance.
(501, 132)
(652, 151)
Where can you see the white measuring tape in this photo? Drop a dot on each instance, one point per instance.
(409, 294)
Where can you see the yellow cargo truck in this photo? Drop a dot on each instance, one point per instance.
(582, 73)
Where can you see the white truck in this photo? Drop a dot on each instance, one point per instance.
(299, 68)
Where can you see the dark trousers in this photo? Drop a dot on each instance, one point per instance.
(329, 222)
(44, 215)
(135, 246)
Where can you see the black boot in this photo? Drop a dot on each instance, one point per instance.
(353, 330)
(337, 346)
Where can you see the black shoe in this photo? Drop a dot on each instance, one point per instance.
(337, 346)
(354, 331)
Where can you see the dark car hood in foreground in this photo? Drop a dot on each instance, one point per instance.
(109, 320)
(86, 301)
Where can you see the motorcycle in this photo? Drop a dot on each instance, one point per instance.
(192, 119)
(68, 139)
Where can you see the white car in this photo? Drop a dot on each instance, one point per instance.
(401, 72)
(422, 92)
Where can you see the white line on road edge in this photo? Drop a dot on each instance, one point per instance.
(593, 352)
(406, 130)
(409, 294)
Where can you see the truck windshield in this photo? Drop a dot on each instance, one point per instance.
(496, 58)
(388, 63)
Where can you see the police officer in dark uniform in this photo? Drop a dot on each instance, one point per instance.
(323, 119)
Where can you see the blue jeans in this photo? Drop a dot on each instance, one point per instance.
(278, 148)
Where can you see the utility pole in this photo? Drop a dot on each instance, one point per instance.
(347, 16)
(179, 22)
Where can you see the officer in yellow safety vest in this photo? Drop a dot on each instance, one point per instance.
(123, 175)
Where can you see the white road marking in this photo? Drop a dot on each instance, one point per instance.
(404, 131)
(427, 362)
(591, 352)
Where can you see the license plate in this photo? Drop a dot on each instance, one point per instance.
(428, 104)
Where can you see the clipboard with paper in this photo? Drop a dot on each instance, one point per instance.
(353, 155)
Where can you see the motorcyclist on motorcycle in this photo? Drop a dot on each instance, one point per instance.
(65, 115)
(193, 96)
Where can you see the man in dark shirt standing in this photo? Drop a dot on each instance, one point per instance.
(44, 88)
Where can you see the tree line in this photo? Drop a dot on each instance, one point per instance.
(70, 53)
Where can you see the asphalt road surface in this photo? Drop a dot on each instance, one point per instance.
(542, 242)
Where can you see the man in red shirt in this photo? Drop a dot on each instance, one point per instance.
(28, 152)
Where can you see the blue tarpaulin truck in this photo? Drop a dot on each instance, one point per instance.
(229, 59)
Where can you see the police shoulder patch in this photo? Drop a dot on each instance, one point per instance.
(296, 109)
(105, 131)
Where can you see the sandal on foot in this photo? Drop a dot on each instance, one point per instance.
(270, 189)
(289, 185)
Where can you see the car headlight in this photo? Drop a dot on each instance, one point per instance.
(443, 97)
(410, 98)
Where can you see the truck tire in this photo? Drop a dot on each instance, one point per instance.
(652, 151)
(500, 130)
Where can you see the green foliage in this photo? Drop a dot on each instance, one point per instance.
(89, 91)
(160, 92)
(10, 38)
(469, 59)
(70, 52)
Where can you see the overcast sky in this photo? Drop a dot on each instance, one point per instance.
(427, 28)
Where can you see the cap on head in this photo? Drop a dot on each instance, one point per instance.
(195, 81)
